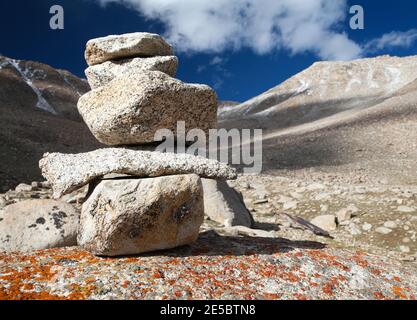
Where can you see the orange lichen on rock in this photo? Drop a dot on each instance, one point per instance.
(71, 273)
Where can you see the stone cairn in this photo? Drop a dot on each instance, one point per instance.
(156, 202)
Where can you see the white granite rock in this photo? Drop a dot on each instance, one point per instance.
(38, 224)
(130, 109)
(132, 216)
(130, 45)
(225, 205)
(325, 222)
(101, 74)
(68, 172)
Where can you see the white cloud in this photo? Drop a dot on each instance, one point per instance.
(216, 61)
(298, 26)
(261, 25)
(394, 39)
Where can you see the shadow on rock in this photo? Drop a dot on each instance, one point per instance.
(212, 244)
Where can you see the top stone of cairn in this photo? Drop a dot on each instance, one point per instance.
(139, 44)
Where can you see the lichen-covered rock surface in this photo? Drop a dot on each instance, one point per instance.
(214, 267)
(38, 224)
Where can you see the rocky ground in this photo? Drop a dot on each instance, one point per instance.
(276, 260)
(376, 218)
(215, 267)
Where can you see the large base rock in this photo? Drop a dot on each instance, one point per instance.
(38, 224)
(213, 268)
(225, 205)
(138, 44)
(130, 109)
(69, 172)
(101, 74)
(124, 217)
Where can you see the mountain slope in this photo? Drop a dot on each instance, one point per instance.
(355, 120)
(38, 114)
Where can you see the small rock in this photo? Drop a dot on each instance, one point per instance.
(23, 188)
(324, 208)
(343, 215)
(284, 199)
(244, 231)
(383, 230)
(390, 225)
(367, 227)
(315, 186)
(325, 222)
(139, 44)
(354, 230)
(406, 240)
(296, 195)
(405, 209)
(3, 202)
(225, 205)
(246, 186)
(405, 249)
(45, 185)
(36, 185)
(261, 201)
(322, 196)
(292, 205)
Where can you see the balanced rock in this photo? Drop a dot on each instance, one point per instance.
(38, 224)
(139, 44)
(325, 222)
(101, 74)
(68, 172)
(225, 205)
(131, 108)
(124, 217)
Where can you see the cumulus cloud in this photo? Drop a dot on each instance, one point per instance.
(261, 25)
(297, 26)
(394, 39)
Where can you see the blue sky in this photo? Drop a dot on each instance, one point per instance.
(240, 47)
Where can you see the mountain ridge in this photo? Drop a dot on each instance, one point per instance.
(39, 114)
(318, 119)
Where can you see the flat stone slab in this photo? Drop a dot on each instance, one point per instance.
(130, 45)
(101, 74)
(68, 172)
(214, 267)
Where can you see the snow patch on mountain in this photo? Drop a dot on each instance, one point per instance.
(27, 75)
(328, 87)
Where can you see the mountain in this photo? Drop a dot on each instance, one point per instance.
(38, 114)
(355, 120)
(224, 106)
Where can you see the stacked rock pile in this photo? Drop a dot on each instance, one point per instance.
(156, 200)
